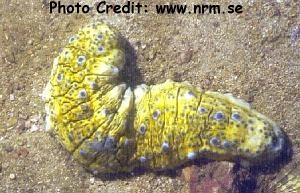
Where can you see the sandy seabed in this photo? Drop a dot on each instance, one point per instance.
(254, 55)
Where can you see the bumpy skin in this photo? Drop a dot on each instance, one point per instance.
(110, 128)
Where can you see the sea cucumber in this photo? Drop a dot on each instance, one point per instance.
(110, 127)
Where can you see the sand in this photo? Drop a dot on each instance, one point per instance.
(254, 55)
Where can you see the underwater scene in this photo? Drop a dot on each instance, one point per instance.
(150, 96)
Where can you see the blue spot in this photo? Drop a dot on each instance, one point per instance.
(143, 159)
(99, 37)
(142, 129)
(105, 112)
(214, 141)
(94, 86)
(227, 144)
(83, 153)
(191, 155)
(165, 147)
(97, 146)
(189, 95)
(81, 60)
(59, 77)
(82, 94)
(100, 50)
(236, 117)
(110, 143)
(156, 114)
(72, 39)
(105, 145)
(86, 155)
(67, 53)
(71, 137)
(219, 116)
(202, 110)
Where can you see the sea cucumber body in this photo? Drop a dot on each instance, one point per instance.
(110, 127)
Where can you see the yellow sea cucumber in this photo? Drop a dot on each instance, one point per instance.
(111, 128)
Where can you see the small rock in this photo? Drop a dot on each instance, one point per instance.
(30, 42)
(34, 118)
(19, 86)
(22, 152)
(34, 128)
(11, 97)
(217, 176)
(27, 124)
(8, 148)
(12, 176)
(23, 116)
(143, 46)
(221, 178)
(21, 142)
(152, 55)
(21, 127)
(187, 173)
(92, 180)
(5, 165)
(186, 56)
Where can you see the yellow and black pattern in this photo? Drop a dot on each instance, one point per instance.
(111, 128)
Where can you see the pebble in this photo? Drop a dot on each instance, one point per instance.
(12, 176)
(34, 128)
(11, 97)
(101, 183)
(92, 180)
(186, 56)
(27, 124)
(21, 127)
(30, 42)
(215, 177)
(144, 46)
(152, 55)
(22, 152)
(8, 148)
(23, 116)
(35, 118)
